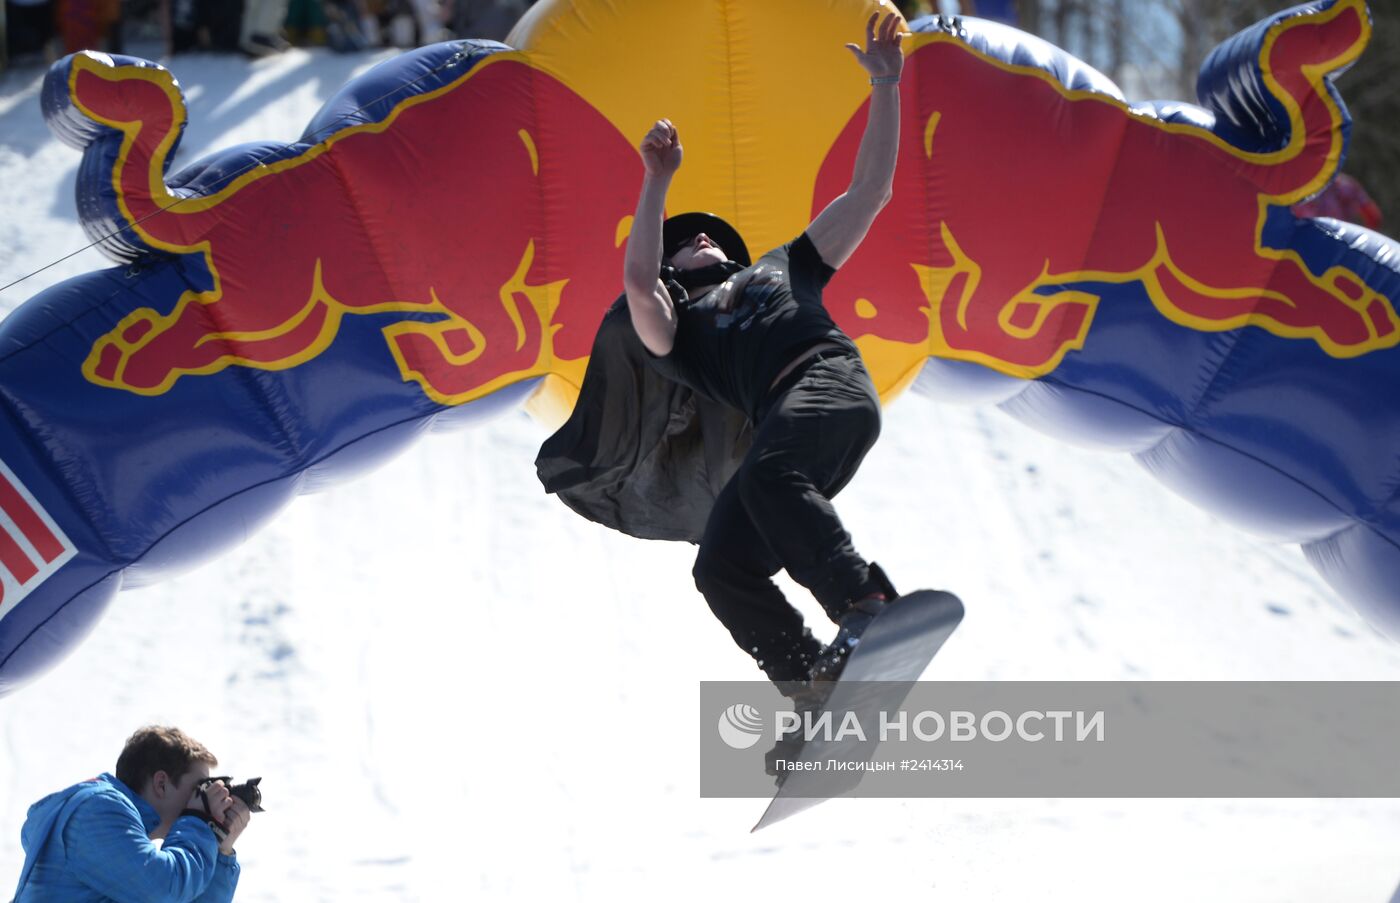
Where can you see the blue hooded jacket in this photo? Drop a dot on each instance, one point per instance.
(91, 843)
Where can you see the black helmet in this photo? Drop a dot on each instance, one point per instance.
(681, 228)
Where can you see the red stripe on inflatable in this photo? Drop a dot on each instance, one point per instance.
(14, 559)
(29, 523)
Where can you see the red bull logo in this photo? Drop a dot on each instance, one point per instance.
(465, 214)
(1013, 191)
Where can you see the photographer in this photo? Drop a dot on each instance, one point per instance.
(94, 841)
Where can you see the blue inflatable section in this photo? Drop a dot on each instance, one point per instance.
(1273, 435)
(143, 487)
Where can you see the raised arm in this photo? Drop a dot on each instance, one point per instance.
(653, 311)
(841, 227)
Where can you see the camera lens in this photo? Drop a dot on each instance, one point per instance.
(249, 793)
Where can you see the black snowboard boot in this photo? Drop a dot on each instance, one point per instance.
(879, 592)
(806, 697)
(803, 694)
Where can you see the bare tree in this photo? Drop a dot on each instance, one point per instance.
(1117, 39)
(1373, 97)
(1028, 12)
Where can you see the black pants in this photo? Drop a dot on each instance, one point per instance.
(776, 512)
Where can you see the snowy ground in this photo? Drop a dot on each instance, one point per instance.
(455, 687)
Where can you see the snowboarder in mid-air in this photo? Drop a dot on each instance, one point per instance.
(758, 338)
(753, 338)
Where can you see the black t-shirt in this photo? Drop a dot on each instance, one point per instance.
(733, 341)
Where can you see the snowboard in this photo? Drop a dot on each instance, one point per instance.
(892, 654)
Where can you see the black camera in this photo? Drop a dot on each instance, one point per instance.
(248, 791)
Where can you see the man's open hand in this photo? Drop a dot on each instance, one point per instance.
(882, 57)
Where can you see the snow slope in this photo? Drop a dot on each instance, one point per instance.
(454, 687)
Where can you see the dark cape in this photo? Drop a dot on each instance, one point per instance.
(640, 453)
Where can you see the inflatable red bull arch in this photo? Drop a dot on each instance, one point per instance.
(445, 237)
